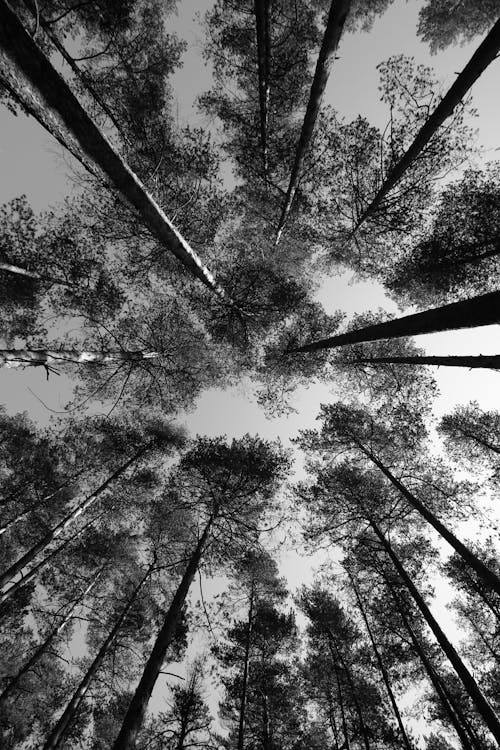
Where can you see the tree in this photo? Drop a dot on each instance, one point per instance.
(483, 56)
(336, 18)
(458, 252)
(30, 64)
(441, 23)
(256, 584)
(469, 313)
(230, 487)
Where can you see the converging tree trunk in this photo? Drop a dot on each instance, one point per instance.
(339, 10)
(70, 518)
(246, 660)
(472, 688)
(44, 646)
(489, 578)
(333, 647)
(345, 728)
(262, 8)
(33, 572)
(60, 730)
(482, 57)
(48, 97)
(483, 310)
(137, 709)
(490, 362)
(455, 718)
(380, 662)
(47, 357)
(43, 501)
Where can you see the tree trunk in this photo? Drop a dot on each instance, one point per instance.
(339, 10)
(48, 97)
(332, 722)
(482, 57)
(69, 519)
(136, 711)
(60, 730)
(468, 681)
(42, 648)
(27, 577)
(357, 706)
(241, 723)
(345, 729)
(479, 440)
(383, 670)
(80, 74)
(470, 313)
(490, 579)
(455, 717)
(263, 62)
(24, 272)
(45, 357)
(24, 513)
(490, 362)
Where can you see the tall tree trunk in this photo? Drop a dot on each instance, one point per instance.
(45, 357)
(490, 362)
(69, 518)
(262, 8)
(24, 513)
(27, 72)
(241, 723)
(333, 643)
(331, 719)
(479, 440)
(489, 578)
(43, 647)
(136, 711)
(482, 57)
(483, 310)
(383, 670)
(59, 732)
(33, 572)
(468, 681)
(79, 73)
(456, 718)
(24, 272)
(339, 10)
(345, 728)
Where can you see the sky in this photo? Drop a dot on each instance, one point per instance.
(32, 163)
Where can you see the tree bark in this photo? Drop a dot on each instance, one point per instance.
(489, 578)
(468, 681)
(60, 730)
(339, 10)
(21, 61)
(357, 706)
(490, 362)
(383, 670)
(263, 62)
(24, 513)
(345, 729)
(69, 519)
(478, 311)
(137, 709)
(24, 272)
(241, 723)
(42, 648)
(441, 692)
(44, 357)
(482, 57)
(32, 572)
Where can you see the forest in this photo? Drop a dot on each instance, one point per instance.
(175, 581)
